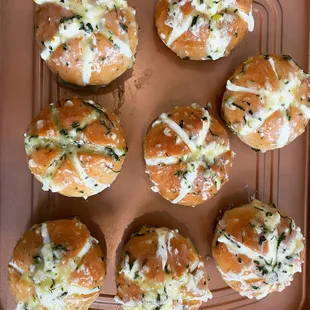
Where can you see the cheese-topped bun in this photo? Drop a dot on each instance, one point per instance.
(75, 147)
(160, 269)
(187, 155)
(86, 42)
(57, 265)
(267, 101)
(203, 29)
(257, 249)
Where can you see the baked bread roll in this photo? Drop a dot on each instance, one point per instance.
(201, 29)
(257, 249)
(75, 147)
(160, 269)
(57, 265)
(187, 155)
(267, 101)
(86, 42)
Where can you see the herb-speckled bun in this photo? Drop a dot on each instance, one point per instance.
(57, 265)
(203, 29)
(75, 147)
(257, 249)
(86, 42)
(187, 155)
(160, 269)
(267, 101)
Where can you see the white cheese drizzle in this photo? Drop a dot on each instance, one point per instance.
(16, 267)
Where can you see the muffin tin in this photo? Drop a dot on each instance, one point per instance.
(158, 82)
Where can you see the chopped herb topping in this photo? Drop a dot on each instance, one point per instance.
(286, 57)
(63, 132)
(124, 27)
(194, 22)
(262, 239)
(238, 106)
(111, 153)
(75, 124)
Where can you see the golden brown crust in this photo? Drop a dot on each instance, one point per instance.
(75, 147)
(195, 155)
(273, 106)
(257, 249)
(159, 259)
(109, 32)
(200, 29)
(78, 259)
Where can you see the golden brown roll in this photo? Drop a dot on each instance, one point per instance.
(257, 249)
(201, 29)
(57, 265)
(187, 155)
(86, 42)
(160, 269)
(267, 101)
(75, 147)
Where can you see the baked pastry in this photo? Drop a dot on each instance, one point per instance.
(257, 249)
(267, 101)
(86, 42)
(187, 155)
(201, 29)
(160, 269)
(75, 147)
(57, 265)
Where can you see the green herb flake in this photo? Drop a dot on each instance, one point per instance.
(124, 27)
(194, 22)
(238, 106)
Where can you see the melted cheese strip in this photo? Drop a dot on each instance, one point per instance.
(45, 234)
(187, 181)
(51, 170)
(88, 245)
(88, 60)
(233, 87)
(273, 66)
(276, 266)
(179, 131)
(284, 133)
(91, 183)
(247, 18)
(172, 292)
(162, 251)
(16, 267)
(171, 160)
(179, 29)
